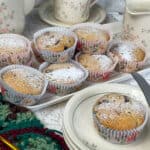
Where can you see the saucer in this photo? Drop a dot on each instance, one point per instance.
(46, 13)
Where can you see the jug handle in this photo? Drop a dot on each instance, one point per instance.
(28, 6)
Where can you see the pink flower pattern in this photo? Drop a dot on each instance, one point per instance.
(3, 90)
(6, 16)
(52, 89)
(132, 137)
(106, 76)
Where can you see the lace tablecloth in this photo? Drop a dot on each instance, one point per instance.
(52, 116)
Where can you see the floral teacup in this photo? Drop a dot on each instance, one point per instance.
(72, 11)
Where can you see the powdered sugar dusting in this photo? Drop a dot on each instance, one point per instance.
(50, 39)
(114, 109)
(34, 80)
(65, 75)
(125, 50)
(104, 61)
(9, 42)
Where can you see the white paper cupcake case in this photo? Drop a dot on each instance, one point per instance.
(18, 98)
(127, 66)
(98, 47)
(62, 89)
(120, 137)
(98, 75)
(19, 58)
(56, 57)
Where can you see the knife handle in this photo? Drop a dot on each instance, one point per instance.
(144, 85)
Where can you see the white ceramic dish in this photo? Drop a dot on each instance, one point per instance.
(50, 99)
(97, 15)
(78, 120)
(68, 141)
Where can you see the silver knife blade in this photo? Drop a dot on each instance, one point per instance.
(143, 84)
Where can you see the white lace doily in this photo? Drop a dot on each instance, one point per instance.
(52, 116)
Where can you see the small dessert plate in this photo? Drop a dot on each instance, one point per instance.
(97, 15)
(68, 141)
(79, 125)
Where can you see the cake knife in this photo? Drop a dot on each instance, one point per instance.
(144, 85)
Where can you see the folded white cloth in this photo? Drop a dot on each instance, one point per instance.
(138, 5)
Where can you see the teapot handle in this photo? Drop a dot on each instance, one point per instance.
(28, 6)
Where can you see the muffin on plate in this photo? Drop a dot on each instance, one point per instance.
(22, 85)
(98, 66)
(131, 57)
(55, 44)
(92, 38)
(64, 78)
(119, 118)
(14, 49)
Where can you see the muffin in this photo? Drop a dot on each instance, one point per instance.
(131, 57)
(92, 38)
(92, 35)
(14, 49)
(119, 118)
(64, 78)
(55, 44)
(22, 83)
(98, 66)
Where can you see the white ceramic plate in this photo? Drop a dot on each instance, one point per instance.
(97, 15)
(68, 141)
(78, 121)
(53, 99)
(49, 99)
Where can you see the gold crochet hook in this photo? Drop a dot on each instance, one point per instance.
(6, 142)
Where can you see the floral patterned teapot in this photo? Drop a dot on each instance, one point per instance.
(137, 21)
(12, 15)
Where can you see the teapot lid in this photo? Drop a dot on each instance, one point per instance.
(138, 6)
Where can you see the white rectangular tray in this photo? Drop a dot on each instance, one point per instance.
(50, 99)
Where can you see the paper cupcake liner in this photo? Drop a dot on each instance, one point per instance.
(36, 54)
(16, 58)
(19, 98)
(98, 47)
(127, 66)
(30, 63)
(99, 75)
(56, 57)
(118, 136)
(62, 89)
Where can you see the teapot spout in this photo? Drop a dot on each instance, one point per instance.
(28, 6)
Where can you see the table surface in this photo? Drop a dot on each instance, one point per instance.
(52, 116)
